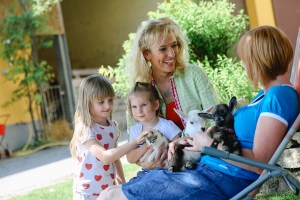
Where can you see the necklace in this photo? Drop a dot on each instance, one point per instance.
(167, 93)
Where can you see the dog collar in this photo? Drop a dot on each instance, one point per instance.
(183, 133)
(229, 130)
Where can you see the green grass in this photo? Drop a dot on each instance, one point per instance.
(64, 190)
(286, 196)
(59, 191)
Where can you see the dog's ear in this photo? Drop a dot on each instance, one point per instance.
(205, 115)
(181, 114)
(207, 110)
(232, 103)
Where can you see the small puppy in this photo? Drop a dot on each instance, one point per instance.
(223, 131)
(194, 123)
(184, 159)
(155, 139)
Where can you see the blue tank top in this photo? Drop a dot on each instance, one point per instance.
(280, 102)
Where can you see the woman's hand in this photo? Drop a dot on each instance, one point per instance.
(160, 158)
(172, 145)
(199, 140)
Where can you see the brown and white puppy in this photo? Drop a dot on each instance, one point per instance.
(223, 131)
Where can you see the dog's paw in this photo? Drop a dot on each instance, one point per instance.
(142, 159)
(237, 152)
(171, 169)
(190, 165)
(150, 158)
(226, 148)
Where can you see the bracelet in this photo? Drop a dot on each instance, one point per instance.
(215, 144)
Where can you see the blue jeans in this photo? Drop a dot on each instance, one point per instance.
(202, 183)
(139, 175)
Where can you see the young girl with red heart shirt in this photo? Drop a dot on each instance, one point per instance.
(94, 143)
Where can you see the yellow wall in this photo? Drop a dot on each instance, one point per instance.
(18, 109)
(260, 13)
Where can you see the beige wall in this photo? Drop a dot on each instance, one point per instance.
(96, 29)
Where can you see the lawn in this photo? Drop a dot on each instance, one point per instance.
(64, 190)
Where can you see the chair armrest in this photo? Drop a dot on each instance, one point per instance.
(226, 155)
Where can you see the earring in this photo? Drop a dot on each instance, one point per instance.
(149, 63)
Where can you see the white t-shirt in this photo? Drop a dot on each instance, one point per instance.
(167, 127)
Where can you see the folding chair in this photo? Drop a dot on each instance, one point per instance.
(270, 169)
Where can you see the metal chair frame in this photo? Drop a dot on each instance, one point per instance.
(270, 169)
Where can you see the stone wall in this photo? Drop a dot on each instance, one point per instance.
(290, 160)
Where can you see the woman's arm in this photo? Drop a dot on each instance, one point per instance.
(171, 151)
(135, 155)
(268, 135)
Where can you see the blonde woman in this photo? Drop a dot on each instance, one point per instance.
(160, 56)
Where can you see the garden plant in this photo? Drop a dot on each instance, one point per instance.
(213, 31)
(22, 21)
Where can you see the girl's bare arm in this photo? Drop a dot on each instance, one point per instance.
(134, 155)
(268, 135)
(111, 155)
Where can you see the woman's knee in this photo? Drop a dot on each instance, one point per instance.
(113, 192)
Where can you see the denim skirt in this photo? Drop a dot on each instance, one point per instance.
(202, 183)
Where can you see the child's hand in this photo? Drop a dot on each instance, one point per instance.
(160, 158)
(141, 137)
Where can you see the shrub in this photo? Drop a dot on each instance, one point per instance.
(229, 79)
(19, 47)
(211, 26)
(212, 30)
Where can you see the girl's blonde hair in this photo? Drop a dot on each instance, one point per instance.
(141, 87)
(266, 53)
(146, 36)
(94, 87)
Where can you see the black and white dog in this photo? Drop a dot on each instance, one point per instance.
(223, 132)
